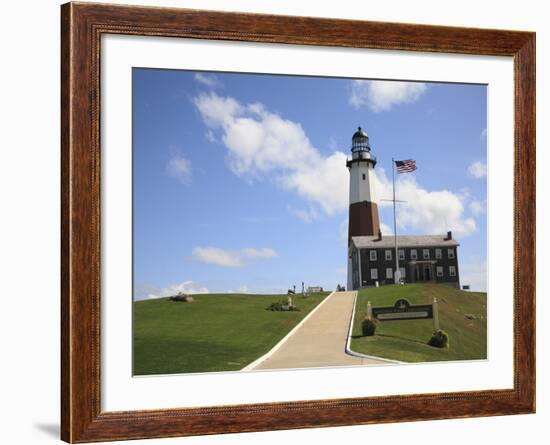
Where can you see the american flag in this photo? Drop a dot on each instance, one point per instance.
(406, 166)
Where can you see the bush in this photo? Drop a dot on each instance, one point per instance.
(282, 306)
(440, 339)
(368, 326)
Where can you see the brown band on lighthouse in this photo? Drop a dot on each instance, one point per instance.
(363, 219)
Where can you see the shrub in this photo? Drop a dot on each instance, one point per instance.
(276, 306)
(368, 326)
(282, 306)
(440, 339)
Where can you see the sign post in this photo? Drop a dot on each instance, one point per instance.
(435, 311)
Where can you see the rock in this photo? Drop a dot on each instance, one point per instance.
(181, 297)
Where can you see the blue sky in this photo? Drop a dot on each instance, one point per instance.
(240, 181)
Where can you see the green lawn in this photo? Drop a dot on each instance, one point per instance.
(407, 340)
(222, 332)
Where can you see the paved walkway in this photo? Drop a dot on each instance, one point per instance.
(321, 340)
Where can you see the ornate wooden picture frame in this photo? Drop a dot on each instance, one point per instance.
(82, 25)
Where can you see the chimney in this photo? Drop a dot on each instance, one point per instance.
(449, 236)
(379, 235)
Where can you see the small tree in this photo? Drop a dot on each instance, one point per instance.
(440, 339)
(368, 326)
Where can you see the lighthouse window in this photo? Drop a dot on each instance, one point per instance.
(364, 176)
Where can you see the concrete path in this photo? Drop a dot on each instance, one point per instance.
(321, 340)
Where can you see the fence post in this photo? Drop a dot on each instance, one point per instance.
(435, 310)
(369, 310)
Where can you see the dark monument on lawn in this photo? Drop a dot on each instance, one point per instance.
(374, 258)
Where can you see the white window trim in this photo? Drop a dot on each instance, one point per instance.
(387, 255)
(452, 271)
(425, 254)
(438, 254)
(414, 254)
(372, 255)
(450, 253)
(401, 254)
(439, 271)
(374, 274)
(389, 273)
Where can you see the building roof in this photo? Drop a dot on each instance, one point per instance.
(374, 242)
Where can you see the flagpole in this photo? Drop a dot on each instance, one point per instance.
(397, 274)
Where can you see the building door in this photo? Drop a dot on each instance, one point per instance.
(427, 273)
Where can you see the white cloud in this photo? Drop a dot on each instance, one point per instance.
(209, 80)
(478, 169)
(231, 258)
(323, 181)
(425, 211)
(382, 95)
(211, 137)
(477, 207)
(179, 168)
(186, 287)
(385, 229)
(260, 142)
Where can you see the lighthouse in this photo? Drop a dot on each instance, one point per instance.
(363, 209)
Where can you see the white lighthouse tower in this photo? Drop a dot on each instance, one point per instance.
(363, 208)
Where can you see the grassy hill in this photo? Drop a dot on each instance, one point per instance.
(407, 340)
(217, 332)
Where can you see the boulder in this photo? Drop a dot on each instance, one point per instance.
(181, 297)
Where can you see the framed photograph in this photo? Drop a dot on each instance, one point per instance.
(274, 222)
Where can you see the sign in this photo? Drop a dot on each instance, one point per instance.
(403, 310)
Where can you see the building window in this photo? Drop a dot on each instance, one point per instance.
(438, 254)
(426, 254)
(388, 255)
(439, 271)
(372, 255)
(401, 254)
(450, 253)
(452, 271)
(402, 272)
(374, 274)
(413, 254)
(364, 176)
(389, 273)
